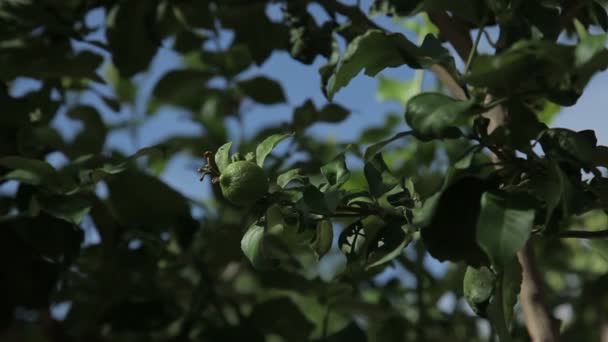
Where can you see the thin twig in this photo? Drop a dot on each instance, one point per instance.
(473, 51)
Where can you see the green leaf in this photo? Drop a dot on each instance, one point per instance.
(315, 200)
(551, 185)
(130, 35)
(510, 283)
(287, 177)
(378, 176)
(58, 62)
(253, 28)
(142, 200)
(282, 317)
(356, 239)
(182, 87)
(222, 156)
(600, 247)
(473, 11)
(352, 239)
(93, 136)
(436, 116)
(563, 144)
(263, 90)
(549, 112)
(504, 225)
(307, 114)
(373, 51)
(230, 62)
(589, 47)
(266, 146)
(478, 288)
(252, 244)
(323, 238)
(107, 169)
(30, 171)
(389, 244)
(69, 208)
(336, 171)
(373, 149)
(500, 311)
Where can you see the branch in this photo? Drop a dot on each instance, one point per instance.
(584, 234)
(539, 322)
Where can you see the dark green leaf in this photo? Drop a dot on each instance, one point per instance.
(357, 239)
(307, 114)
(93, 136)
(436, 116)
(563, 144)
(141, 200)
(70, 208)
(131, 35)
(44, 62)
(448, 220)
(263, 90)
(182, 87)
(352, 240)
(315, 200)
(472, 11)
(378, 176)
(282, 317)
(389, 244)
(253, 28)
(30, 171)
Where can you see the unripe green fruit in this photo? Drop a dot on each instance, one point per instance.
(243, 183)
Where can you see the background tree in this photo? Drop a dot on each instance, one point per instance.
(337, 246)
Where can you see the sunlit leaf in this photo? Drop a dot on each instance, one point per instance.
(266, 146)
(222, 156)
(373, 52)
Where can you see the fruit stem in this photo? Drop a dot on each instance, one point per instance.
(209, 169)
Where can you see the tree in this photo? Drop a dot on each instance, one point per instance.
(479, 179)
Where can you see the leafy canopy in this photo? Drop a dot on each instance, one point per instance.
(335, 239)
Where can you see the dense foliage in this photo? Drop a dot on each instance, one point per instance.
(303, 239)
